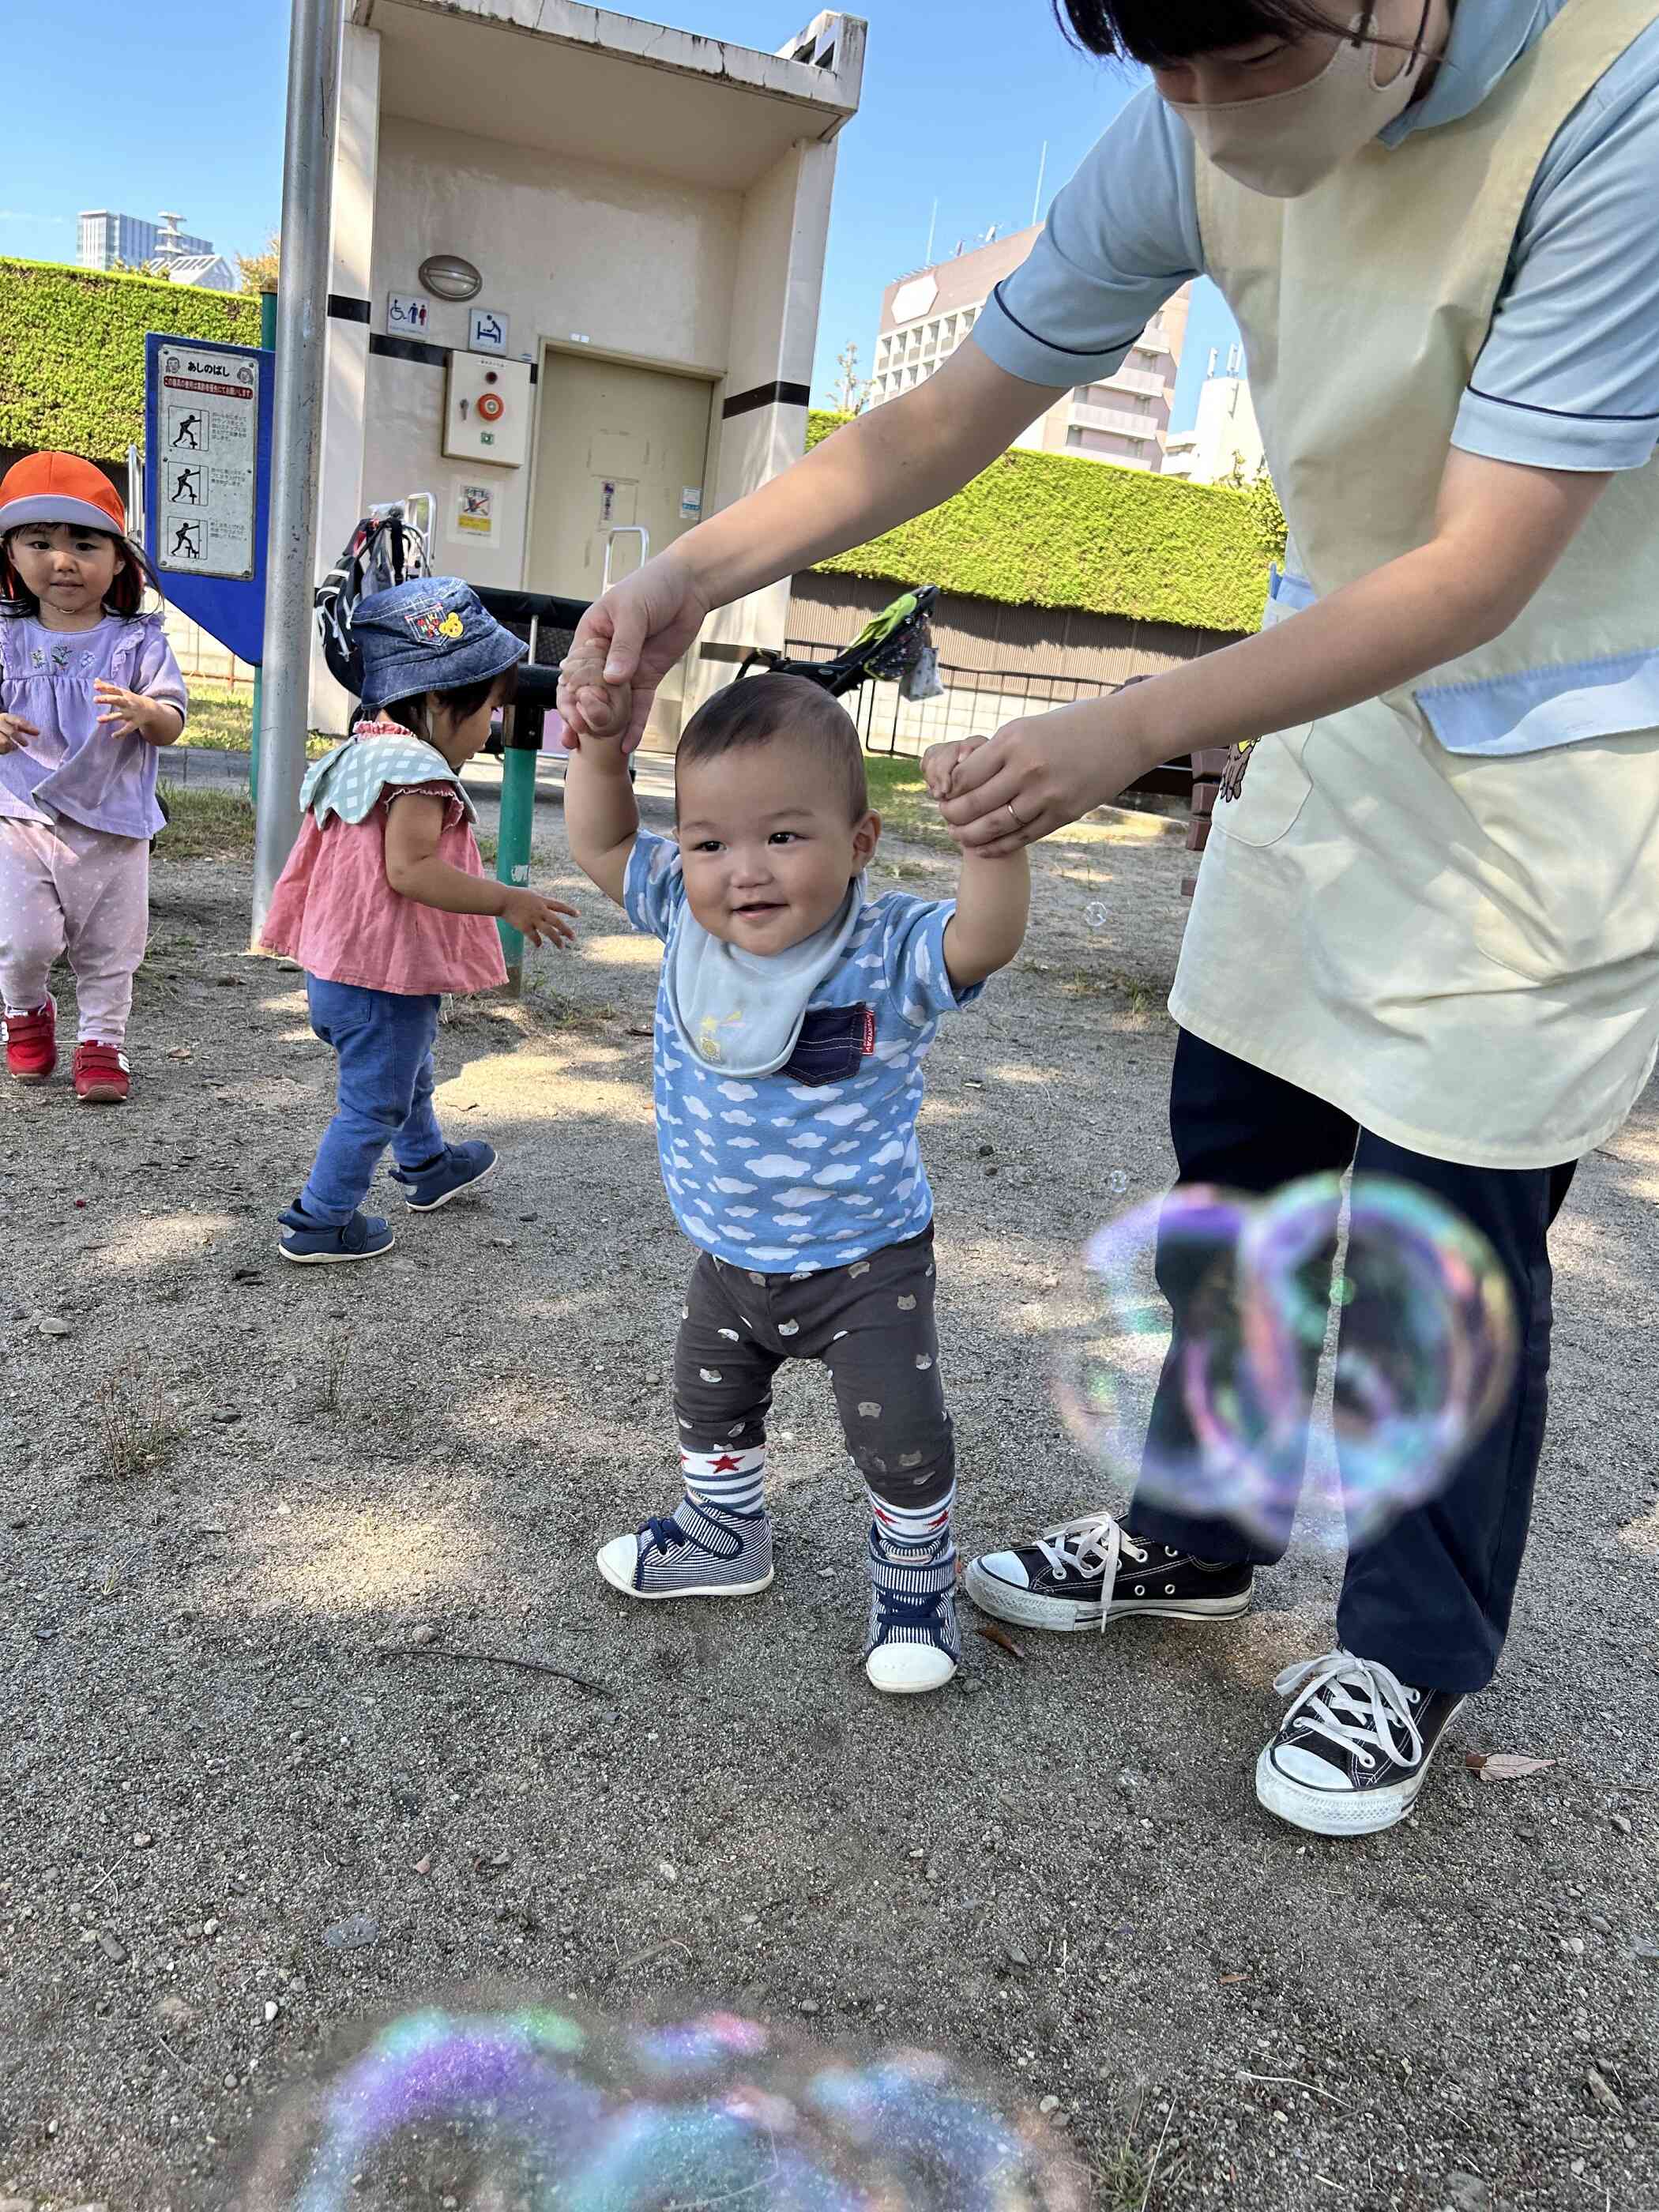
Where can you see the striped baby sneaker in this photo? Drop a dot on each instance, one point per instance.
(914, 1642)
(698, 1551)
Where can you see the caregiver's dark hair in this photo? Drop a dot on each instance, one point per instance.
(1160, 31)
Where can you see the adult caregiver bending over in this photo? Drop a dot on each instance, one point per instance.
(1425, 938)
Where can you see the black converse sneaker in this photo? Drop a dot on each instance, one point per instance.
(1353, 1750)
(698, 1551)
(1057, 1581)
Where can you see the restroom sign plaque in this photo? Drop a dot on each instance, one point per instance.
(207, 424)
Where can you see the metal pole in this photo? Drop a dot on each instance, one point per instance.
(268, 340)
(513, 838)
(314, 99)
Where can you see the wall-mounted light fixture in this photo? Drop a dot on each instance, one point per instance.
(450, 277)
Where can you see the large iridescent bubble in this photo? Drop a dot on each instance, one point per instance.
(1404, 1301)
(537, 2111)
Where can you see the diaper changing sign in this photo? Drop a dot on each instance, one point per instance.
(207, 478)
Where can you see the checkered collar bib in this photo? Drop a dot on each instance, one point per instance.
(349, 781)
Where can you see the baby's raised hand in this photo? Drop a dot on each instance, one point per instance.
(13, 732)
(591, 706)
(938, 764)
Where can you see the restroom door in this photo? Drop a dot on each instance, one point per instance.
(616, 446)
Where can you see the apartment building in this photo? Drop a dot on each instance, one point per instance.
(1124, 418)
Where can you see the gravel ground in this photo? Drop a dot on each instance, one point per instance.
(255, 1521)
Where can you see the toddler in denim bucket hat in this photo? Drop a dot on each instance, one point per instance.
(385, 905)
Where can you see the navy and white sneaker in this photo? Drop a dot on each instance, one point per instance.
(1353, 1750)
(311, 1244)
(1057, 1581)
(696, 1552)
(457, 1168)
(914, 1643)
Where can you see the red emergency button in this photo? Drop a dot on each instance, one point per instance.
(492, 406)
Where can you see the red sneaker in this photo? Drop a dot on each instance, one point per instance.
(100, 1075)
(32, 1043)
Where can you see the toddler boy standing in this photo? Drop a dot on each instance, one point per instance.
(793, 1016)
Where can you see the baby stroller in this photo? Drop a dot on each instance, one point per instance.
(386, 549)
(895, 646)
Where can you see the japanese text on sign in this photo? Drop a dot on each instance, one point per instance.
(207, 472)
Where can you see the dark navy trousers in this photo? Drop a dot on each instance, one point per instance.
(1430, 1597)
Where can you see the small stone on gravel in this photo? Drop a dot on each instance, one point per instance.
(1621, 1823)
(112, 1947)
(51, 1325)
(1469, 2192)
(809, 2006)
(355, 1933)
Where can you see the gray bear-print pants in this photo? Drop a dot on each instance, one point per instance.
(871, 1324)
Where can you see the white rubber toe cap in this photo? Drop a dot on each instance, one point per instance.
(1004, 1567)
(908, 1670)
(618, 1560)
(1306, 1767)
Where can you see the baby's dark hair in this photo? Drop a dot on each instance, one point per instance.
(762, 708)
(465, 699)
(1159, 32)
(126, 596)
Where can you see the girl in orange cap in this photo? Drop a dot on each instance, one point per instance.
(89, 691)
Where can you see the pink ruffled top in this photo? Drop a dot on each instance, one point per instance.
(335, 913)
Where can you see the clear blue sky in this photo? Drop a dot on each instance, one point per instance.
(958, 99)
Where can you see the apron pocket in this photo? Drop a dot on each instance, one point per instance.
(1564, 865)
(1275, 790)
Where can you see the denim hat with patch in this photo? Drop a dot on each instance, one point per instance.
(428, 634)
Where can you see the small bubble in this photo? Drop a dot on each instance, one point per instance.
(1117, 1183)
(1095, 914)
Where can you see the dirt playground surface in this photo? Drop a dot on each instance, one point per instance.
(256, 1523)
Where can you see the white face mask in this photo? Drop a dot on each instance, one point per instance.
(1283, 144)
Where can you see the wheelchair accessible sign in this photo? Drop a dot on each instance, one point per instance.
(207, 483)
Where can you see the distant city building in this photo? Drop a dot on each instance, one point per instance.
(1123, 418)
(1225, 441)
(107, 238)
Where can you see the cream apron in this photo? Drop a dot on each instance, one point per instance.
(1439, 910)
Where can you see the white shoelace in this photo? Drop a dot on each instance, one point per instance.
(1095, 1542)
(1359, 1705)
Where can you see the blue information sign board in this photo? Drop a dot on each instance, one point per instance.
(207, 483)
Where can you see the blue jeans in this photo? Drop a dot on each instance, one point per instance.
(383, 1040)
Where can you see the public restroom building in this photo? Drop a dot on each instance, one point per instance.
(576, 268)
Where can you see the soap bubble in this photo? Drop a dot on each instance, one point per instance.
(540, 2111)
(1423, 1349)
(1095, 914)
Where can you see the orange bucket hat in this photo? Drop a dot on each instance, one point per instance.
(59, 488)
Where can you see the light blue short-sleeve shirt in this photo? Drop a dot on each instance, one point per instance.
(1569, 376)
(790, 1177)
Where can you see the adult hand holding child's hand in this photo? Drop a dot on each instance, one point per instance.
(591, 706)
(638, 630)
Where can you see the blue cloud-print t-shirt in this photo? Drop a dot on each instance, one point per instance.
(784, 1175)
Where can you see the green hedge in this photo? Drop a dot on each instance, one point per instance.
(1049, 529)
(72, 351)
